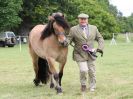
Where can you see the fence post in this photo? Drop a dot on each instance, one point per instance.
(113, 42)
(127, 38)
(20, 47)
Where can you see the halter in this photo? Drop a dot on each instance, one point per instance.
(59, 33)
(64, 43)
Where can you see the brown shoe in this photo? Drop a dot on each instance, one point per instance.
(83, 88)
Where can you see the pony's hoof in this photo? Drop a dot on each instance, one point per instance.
(52, 85)
(59, 91)
(36, 82)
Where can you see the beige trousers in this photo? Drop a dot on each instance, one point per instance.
(87, 68)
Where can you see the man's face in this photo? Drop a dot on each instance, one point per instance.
(83, 21)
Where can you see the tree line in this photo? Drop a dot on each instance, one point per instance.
(21, 16)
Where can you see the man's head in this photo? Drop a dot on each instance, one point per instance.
(83, 19)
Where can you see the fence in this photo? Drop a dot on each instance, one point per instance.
(116, 39)
(21, 40)
(121, 38)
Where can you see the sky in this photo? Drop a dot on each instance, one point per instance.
(124, 6)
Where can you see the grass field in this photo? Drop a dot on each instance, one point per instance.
(114, 75)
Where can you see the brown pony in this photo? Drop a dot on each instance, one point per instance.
(47, 44)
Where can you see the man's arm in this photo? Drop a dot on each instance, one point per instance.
(70, 36)
(100, 41)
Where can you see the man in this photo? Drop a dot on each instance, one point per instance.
(85, 34)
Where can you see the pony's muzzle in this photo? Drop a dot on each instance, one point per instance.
(63, 41)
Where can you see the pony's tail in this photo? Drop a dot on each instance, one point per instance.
(43, 70)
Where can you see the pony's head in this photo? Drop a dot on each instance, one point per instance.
(58, 26)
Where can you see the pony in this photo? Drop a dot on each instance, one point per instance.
(47, 44)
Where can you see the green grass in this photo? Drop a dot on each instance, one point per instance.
(114, 75)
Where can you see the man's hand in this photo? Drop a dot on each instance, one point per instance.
(100, 51)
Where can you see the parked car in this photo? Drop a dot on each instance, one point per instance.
(7, 38)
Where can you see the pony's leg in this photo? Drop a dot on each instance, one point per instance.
(59, 76)
(35, 65)
(61, 68)
(51, 65)
(58, 79)
(36, 80)
(55, 74)
(52, 81)
(58, 87)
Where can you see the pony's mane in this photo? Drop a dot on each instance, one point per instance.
(49, 30)
(61, 21)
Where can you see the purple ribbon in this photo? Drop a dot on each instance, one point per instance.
(89, 50)
(86, 48)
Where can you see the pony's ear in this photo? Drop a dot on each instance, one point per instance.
(50, 18)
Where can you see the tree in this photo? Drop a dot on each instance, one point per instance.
(102, 14)
(113, 10)
(130, 23)
(37, 12)
(99, 16)
(9, 14)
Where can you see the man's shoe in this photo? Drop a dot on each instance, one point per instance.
(83, 88)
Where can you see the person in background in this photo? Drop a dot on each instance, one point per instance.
(85, 34)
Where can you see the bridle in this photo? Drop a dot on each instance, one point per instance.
(56, 31)
(60, 33)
